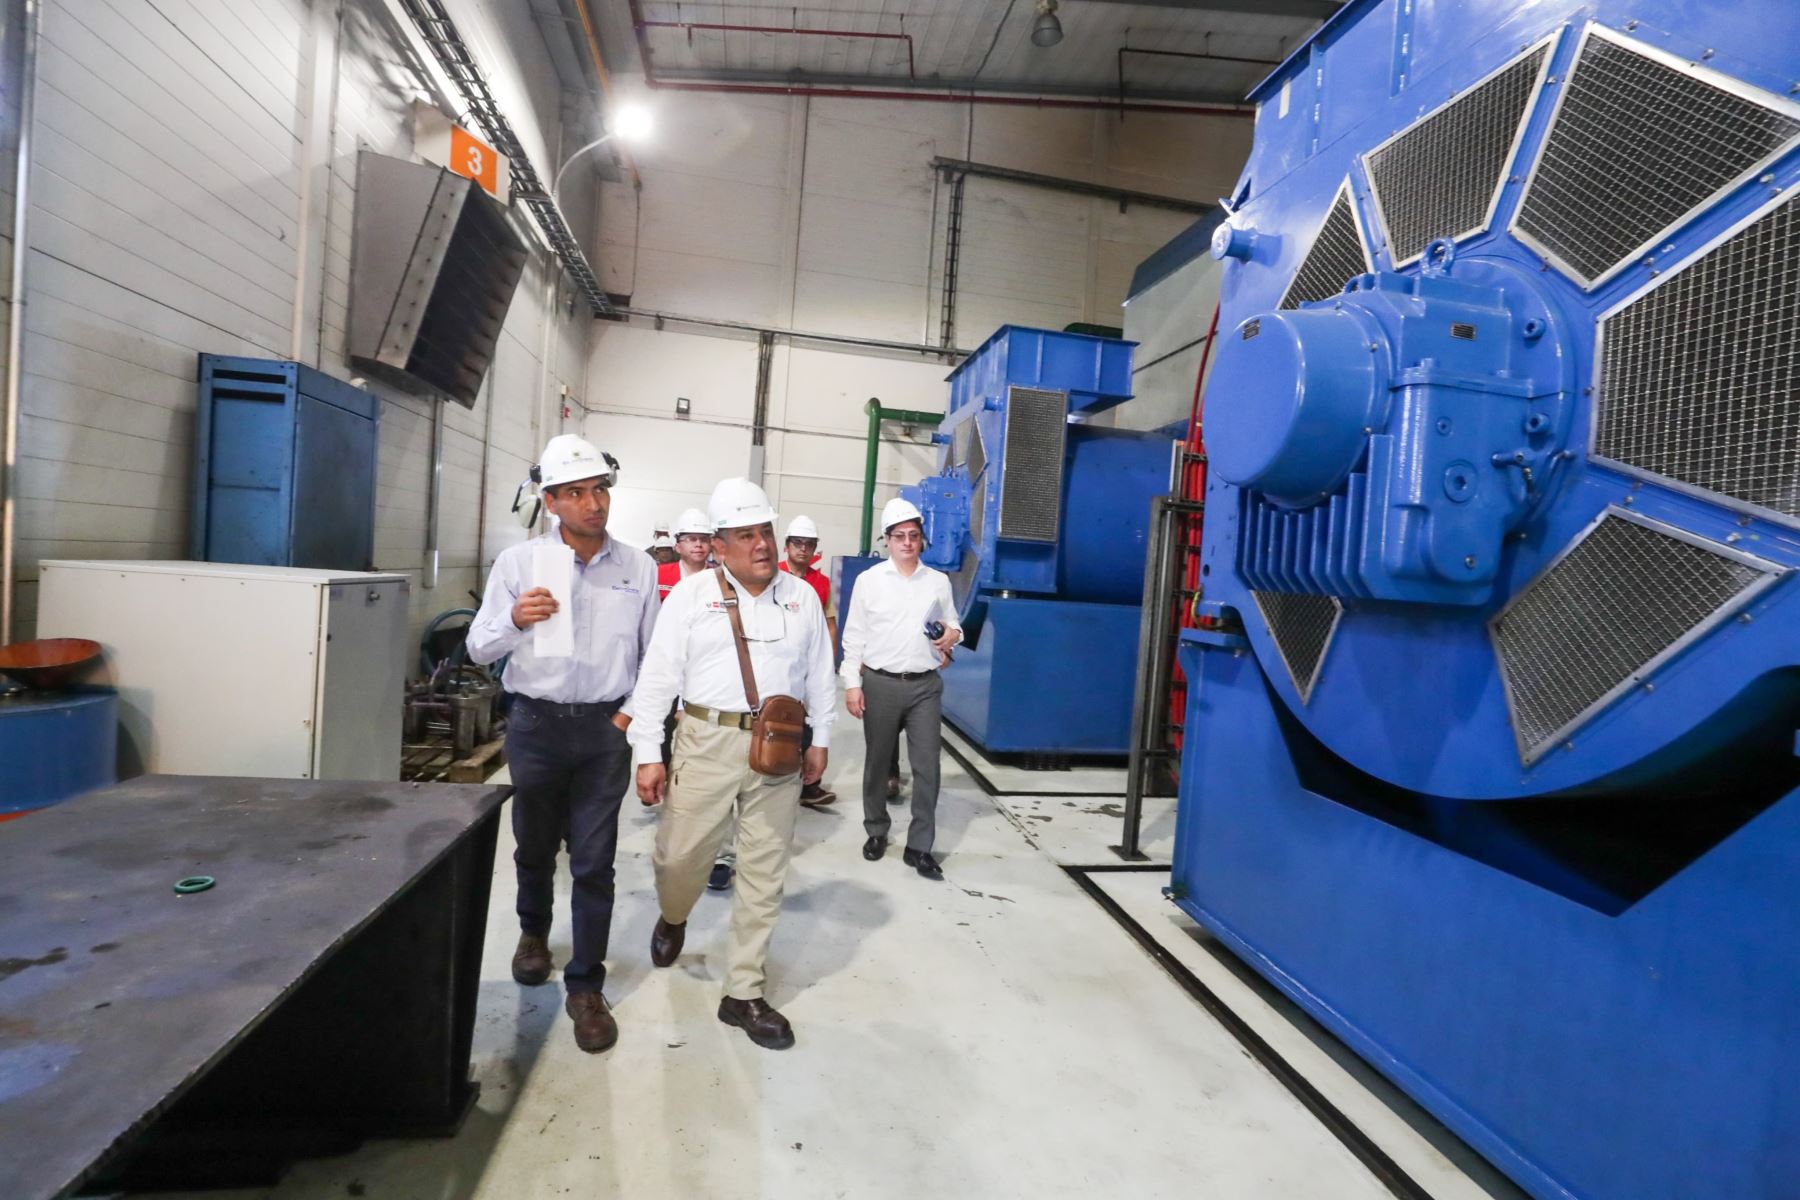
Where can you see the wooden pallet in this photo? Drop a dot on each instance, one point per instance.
(483, 762)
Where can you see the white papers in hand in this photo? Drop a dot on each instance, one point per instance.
(553, 567)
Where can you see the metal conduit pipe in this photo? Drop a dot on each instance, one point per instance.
(878, 414)
(640, 26)
(690, 26)
(15, 324)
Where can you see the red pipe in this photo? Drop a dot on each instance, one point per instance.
(1193, 488)
(639, 25)
(690, 26)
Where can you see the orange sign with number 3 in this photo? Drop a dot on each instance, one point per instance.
(473, 159)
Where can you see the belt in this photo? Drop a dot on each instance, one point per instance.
(550, 708)
(713, 716)
(906, 675)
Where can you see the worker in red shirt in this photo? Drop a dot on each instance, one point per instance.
(802, 555)
(693, 547)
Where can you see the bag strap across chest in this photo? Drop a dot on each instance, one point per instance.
(730, 598)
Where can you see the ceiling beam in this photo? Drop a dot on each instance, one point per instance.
(1314, 10)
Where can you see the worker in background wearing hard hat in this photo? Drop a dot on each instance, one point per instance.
(662, 553)
(695, 654)
(900, 630)
(693, 551)
(570, 764)
(800, 552)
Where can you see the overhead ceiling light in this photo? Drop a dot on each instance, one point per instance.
(1046, 30)
(630, 123)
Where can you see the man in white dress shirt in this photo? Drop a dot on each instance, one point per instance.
(892, 683)
(570, 764)
(694, 655)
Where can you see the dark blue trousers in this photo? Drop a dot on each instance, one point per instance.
(570, 771)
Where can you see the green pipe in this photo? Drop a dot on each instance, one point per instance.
(878, 414)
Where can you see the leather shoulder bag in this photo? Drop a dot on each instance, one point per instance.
(777, 722)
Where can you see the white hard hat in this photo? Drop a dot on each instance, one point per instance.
(692, 521)
(736, 503)
(897, 510)
(665, 542)
(568, 458)
(803, 527)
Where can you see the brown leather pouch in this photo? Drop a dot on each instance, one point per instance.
(779, 721)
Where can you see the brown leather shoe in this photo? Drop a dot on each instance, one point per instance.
(766, 1027)
(595, 1029)
(665, 942)
(531, 961)
(815, 796)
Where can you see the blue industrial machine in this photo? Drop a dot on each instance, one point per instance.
(1040, 520)
(284, 466)
(1490, 757)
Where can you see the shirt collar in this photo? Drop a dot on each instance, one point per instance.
(555, 535)
(768, 593)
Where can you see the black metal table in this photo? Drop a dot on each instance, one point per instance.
(320, 992)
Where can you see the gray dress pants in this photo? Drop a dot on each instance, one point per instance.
(892, 705)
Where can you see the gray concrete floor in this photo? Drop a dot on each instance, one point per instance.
(992, 1035)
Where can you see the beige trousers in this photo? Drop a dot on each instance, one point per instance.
(710, 781)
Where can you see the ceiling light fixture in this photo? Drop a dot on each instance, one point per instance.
(1046, 30)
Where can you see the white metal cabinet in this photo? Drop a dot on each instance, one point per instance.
(222, 669)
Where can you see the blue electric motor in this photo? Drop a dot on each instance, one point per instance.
(1041, 521)
(1504, 506)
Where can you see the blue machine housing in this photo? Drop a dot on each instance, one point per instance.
(284, 466)
(1490, 762)
(54, 746)
(1041, 522)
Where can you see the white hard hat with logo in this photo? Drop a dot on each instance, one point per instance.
(803, 528)
(897, 510)
(692, 521)
(568, 458)
(736, 503)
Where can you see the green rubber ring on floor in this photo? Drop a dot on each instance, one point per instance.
(194, 883)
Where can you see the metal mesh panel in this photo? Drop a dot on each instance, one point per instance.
(962, 581)
(1700, 376)
(1031, 465)
(1335, 256)
(1439, 178)
(976, 454)
(1619, 601)
(1302, 627)
(1636, 145)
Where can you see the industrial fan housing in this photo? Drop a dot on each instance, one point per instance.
(1491, 764)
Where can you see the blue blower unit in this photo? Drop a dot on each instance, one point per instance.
(284, 466)
(1490, 757)
(1041, 521)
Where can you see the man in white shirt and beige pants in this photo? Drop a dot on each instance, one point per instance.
(694, 654)
(892, 683)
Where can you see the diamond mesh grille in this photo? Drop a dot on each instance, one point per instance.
(1439, 178)
(1636, 146)
(1032, 464)
(1700, 376)
(1336, 255)
(1618, 603)
(1302, 628)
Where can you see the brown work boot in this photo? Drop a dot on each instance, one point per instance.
(531, 961)
(595, 1029)
(815, 795)
(766, 1027)
(665, 942)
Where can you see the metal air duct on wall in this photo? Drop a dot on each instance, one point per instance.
(433, 266)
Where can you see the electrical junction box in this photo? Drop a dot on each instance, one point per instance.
(226, 669)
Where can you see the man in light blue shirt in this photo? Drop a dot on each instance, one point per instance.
(570, 763)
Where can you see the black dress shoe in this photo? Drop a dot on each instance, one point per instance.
(720, 878)
(595, 1029)
(874, 848)
(665, 942)
(531, 961)
(766, 1027)
(922, 862)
